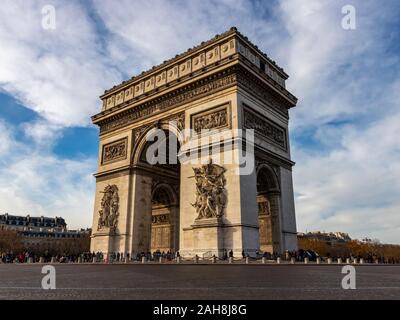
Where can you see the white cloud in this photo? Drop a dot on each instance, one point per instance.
(57, 73)
(34, 181)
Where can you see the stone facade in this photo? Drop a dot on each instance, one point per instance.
(222, 85)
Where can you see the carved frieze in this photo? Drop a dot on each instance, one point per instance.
(153, 107)
(210, 191)
(115, 151)
(215, 118)
(160, 218)
(264, 207)
(109, 212)
(265, 127)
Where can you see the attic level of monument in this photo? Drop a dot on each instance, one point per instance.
(230, 51)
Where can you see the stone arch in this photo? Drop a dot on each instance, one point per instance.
(267, 179)
(269, 211)
(170, 191)
(141, 142)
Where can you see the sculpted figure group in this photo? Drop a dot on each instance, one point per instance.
(210, 191)
(108, 215)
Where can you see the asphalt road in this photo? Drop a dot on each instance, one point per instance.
(221, 281)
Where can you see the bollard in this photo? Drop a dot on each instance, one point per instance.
(53, 260)
(318, 260)
(376, 261)
(278, 260)
(160, 259)
(292, 260)
(126, 260)
(79, 259)
(143, 259)
(41, 260)
(339, 260)
(347, 260)
(30, 260)
(306, 260)
(94, 260)
(214, 259)
(263, 260)
(361, 261)
(247, 260)
(178, 259)
(230, 260)
(329, 260)
(355, 260)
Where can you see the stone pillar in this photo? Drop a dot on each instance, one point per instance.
(230, 260)
(329, 260)
(288, 217)
(361, 261)
(263, 260)
(318, 260)
(236, 229)
(278, 260)
(292, 260)
(94, 260)
(143, 259)
(277, 237)
(306, 260)
(41, 260)
(347, 260)
(140, 213)
(247, 260)
(339, 260)
(178, 259)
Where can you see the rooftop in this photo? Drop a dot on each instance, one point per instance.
(231, 31)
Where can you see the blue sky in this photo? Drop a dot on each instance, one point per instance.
(344, 131)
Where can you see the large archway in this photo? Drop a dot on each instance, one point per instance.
(159, 226)
(268, 199)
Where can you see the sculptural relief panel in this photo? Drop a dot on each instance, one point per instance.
(115, 151)
(210, 191)
(216, 118)
(109, 212)
(265, 127)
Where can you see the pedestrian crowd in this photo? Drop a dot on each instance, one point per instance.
(86, 257)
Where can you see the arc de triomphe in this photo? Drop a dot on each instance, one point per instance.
(220, 87)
